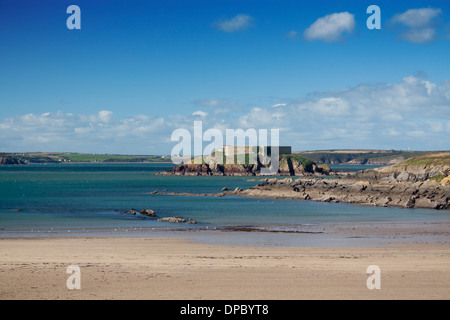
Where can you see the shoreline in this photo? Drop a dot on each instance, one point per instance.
(177, 268)
(333, 234)
(425, 195)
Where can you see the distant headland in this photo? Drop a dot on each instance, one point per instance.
(69, 157)
(318, 157)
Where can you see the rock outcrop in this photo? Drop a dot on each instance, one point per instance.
(419, 182)
(290, 165)
(148, 213)
(151, 214)
(145, 212)
(428, 194)
(177, 219)
(11, 161)
(188, 170)
(400, 173)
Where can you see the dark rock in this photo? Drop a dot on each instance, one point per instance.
(189, 170)
(11, 161)
(411, 202)
(148, 212)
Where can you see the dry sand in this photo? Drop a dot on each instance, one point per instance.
(174, 268)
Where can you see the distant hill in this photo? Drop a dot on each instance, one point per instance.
(378, 157)
(319, 157)
(47, 157)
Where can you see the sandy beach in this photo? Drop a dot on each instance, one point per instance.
(178, 269)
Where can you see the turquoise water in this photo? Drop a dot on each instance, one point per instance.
(62, 199)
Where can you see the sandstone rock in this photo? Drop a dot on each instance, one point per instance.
(428, 194)
(446, 181)
(323, 168)
(286, 180)
(177, 219)
(148, 212)
(410, 203)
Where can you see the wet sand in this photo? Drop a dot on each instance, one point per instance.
(177, 268)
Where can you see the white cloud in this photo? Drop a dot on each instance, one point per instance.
(413, 112)
(381, 115)
(105, 115)
(213, 102)
(331, 106)
(331, 27)
(292, 34)
(237, 23)
(417, 18)
(419, 35)
(200, 113)
(263, 118)
(420, 24)
(435, 126)
(80, 132)
(416, 133)
(83, 130)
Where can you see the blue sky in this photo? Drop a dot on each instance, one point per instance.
(137, 70)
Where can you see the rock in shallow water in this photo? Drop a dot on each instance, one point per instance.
(177, 219)
(148, 212)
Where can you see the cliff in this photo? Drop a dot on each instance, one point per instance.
(419, 182)
(289, 165)
(416, 169)
(11, 161)
(360, 157)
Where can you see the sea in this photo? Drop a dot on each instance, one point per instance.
(92, 200)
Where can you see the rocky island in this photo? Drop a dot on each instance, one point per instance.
(289, 165)
(8, 160)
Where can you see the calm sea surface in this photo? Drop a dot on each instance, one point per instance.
(89, 199)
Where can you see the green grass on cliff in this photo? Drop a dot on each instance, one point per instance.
(303, 160)
(438, 178)
(439, 158)
(359, 156)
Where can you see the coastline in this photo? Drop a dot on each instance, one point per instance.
(427, 195)
(177, 268)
